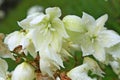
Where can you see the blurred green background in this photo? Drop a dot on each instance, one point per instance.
(96, 8)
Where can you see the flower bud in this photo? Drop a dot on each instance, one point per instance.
(24, 71)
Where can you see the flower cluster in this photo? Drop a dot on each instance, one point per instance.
(51, 41)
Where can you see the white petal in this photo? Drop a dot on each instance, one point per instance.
(53, 12)
(99, 53)
(50, 54)
(86, 46)
(59, 27)
(37, 19)
(47, 67)
(56, 42)
(73, 23)
(40, 40)
(101, 21)
(25, 24)
(13, 40)
(109, 38)
(87, 19)
(23, 71)
(114, 51)
(79, 73)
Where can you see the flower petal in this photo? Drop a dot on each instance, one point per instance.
(73, 23)
(101, 21)
(23, 71)
(87, 19)
(86, 46)
(53, 12)
(99, 53)
(25, 24)
(109, 38)
(79, 73)
(114, 51)
(59, 27)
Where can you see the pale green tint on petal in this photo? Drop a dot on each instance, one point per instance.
(86, 46)
(23, 71)
(56, 42)
(73, 38)
(99, 52)
(73, 23)
(3, 68)
(53, 12)
(59, 27)
(101, 21)
(93, 66)
(109, 38)
(114, 51)
(41, 40)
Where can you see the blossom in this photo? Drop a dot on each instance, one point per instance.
(3, 69)
(92, 36)
(47, 34)
(45, 27)
(20, 38)
(81, 72)
(23, 71)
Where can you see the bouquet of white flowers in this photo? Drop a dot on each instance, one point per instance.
(51, 41)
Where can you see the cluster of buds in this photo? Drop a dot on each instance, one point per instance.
(50, 41)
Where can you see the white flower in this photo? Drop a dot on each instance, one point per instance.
(3, 69)
(23, 71)
(47, 34)
(81, 72)
(45, 27)
(92, 35)
(20, 38)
